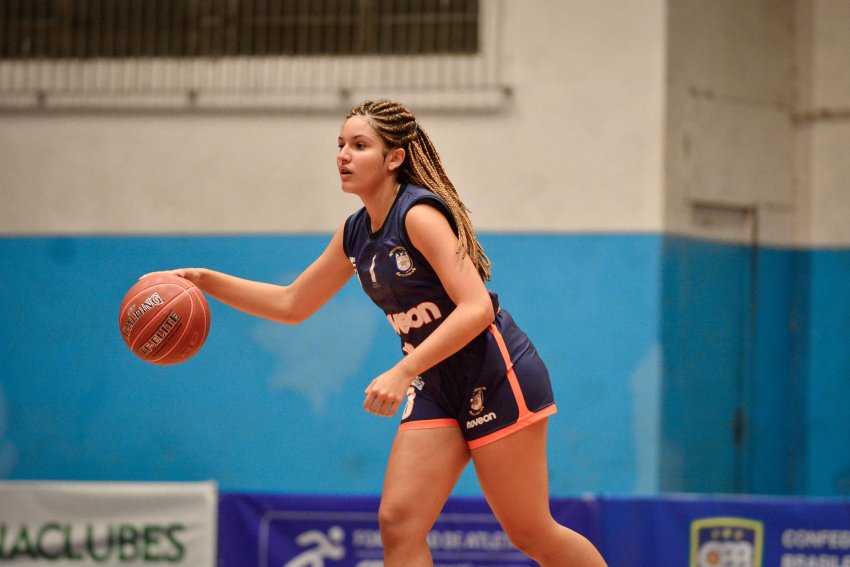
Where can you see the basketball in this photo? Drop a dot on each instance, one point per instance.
(164, 319)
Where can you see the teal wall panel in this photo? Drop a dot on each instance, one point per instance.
(677, 364)
(706, 301)
(270, 407)
(828, 376)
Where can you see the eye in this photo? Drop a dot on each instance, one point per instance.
(360, 145)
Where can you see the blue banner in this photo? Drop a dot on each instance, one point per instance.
(292, 531)
(725, 531)
(675, 531)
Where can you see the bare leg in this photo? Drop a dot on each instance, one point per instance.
(423, 468)
(514, 476)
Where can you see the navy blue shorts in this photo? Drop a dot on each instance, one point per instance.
(493, 387)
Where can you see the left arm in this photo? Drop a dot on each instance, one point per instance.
(431, 234)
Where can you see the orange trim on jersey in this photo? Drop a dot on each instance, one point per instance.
(520, 424)
(429, 424)
(512, 379)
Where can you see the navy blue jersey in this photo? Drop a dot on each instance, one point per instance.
(394, 274)
(491, 387)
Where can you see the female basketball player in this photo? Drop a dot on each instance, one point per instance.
(474, 385)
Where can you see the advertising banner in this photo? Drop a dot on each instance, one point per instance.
(292, 531)
(108, 524)
(666, 531)
(725, 531)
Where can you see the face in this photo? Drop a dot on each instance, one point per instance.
(365, 165)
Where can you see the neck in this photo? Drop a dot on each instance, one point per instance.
(378, 203)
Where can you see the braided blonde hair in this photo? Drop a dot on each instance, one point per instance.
(397, 127)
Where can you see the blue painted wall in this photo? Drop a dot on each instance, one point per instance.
(732, 394)
(705, 337)
(657, 346)
(275, 408)
(827, 364)
(756, 389)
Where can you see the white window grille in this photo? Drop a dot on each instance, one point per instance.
(251, 54)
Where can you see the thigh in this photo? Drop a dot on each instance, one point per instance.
(423, 467)
(514, 477)
(515, 480)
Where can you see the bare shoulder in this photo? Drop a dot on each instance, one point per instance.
(423, 217)
(430, 233)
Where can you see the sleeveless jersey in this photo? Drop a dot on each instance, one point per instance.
(492, 386)
(394, 274)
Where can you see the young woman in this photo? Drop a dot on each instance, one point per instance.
(473, 384)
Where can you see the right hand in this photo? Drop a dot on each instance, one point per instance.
(191, 274)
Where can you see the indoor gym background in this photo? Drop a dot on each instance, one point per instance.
(662, 188)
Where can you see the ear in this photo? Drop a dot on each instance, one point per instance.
(395, 158)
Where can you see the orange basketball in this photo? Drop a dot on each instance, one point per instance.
(164, 319)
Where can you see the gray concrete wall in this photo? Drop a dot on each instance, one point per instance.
(576, 148)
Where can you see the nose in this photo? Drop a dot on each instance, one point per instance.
(342, 156)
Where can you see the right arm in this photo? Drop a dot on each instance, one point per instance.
(288, 304)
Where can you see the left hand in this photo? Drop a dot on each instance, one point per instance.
(385, 393)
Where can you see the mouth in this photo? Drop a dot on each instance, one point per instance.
(344, 172)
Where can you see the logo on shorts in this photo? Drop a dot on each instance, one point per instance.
(481, 419)
(402, 261)
(717, 542)
(476, 402)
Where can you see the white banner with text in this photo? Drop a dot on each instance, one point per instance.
(104, 524)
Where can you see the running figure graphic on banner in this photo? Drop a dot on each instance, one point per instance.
(327, 546)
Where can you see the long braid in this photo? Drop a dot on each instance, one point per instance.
(397, 126)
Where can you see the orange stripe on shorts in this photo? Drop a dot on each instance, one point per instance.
(429, 424)
(512, 379)
(530, 418)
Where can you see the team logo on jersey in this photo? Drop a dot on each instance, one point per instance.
(476, 403)
(422, 314)
(402, 261)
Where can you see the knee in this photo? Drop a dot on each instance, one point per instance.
(549, 543)
(400, 525)
(537, 539)
(524, 537)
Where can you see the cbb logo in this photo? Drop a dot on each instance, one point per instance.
(726, 542)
